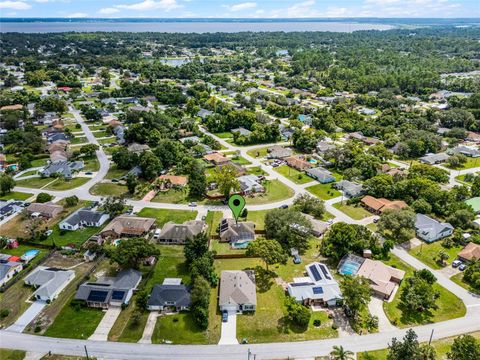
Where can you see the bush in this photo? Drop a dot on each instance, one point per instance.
(334, 326)
(38, 328)
(4, 313)
(43, 198)
(317, 322)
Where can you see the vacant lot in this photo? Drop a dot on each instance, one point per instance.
(108, 189)
(356, 212)
(294, 175)
(165, 215)
(275, 191)
(428, 253)
(324, 191)
(15, 195)
(458, 279)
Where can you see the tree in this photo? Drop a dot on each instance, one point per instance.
(464, 347)
(475, 189)
(88, 150)
(124, 159)
(399, 224)
(195, 247)
(150, 165)
(409, 348)
(380, 186)
(343, 238)
(200, 300)
(462, 218)
(130, 253)
(226, 179)
(43, 198)
(297, 313)
(309, 205)
(270, 251)
(132, 183)
(6, 184)
(472, 275)
(442, 258)
(422, 206)
(419, 294)
(114, 205)
(197, 181)
(71, 200)
(203, 267)
(356, 293)
(289, 228)
(339, 353)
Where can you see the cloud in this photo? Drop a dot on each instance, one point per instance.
(243, 6)
(77, 15)
(14, 5)
(108, 11)
(166, 5)
(299, 10)
(408, 8)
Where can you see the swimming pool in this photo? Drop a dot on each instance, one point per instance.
(240, 244)
(31, 253)
(350, 264)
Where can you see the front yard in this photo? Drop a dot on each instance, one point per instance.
(356, 212)
(178, 329)
(15, 195)
(324, 191)
(275, 191)
(428, 253)
(294, 175)
(108, 189)
(449, 306)
(165, 215)
(458, 279)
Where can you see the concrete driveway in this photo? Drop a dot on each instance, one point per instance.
(102, 330)
(28, 316)
(229, 330)
(375, 306)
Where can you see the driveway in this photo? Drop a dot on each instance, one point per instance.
(28, 316)
(375, 306)
(229, 330)
(149, 327)
(102, 330)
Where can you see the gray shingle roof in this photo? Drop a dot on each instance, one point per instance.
(162, 295)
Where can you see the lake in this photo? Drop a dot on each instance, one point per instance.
(185, 27)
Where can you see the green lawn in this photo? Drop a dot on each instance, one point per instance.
(240, 160)
(223, 248)
(38, 162)
(324, 191)
(107, 141)
(178, 329)
(165, 215)
(258, 217)
(275, 191)
(255, 170)
(75, 323)
(461, 178)
(355, 212)
(172, 196)
(35, 183)
(428, 253)
(449, 306)
(224, 135)
(6, 354)
(101, 134)
(79, 140)
(294, 175)
(29, 173)
(470, 163)
(442, 347)
(91, 164)
(77, 237)
(458, 279)
(16, 195)
(66, 185)
(114, 173)
(108, 189)
(213, 220)
(259, 152)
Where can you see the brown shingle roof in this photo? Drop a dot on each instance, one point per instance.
(470, 252)
(129, 225)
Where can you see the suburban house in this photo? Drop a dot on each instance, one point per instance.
(8, 270)
(322, 175)
(239, 169)
(169, 181)
(378, 206)
(46, 210)
(318, 288)
(237, 291)
(298, 163)
(82, 218)
(432, 159)
(110, 291)
(470, 151)
(128, 226)
(323, 147)
(383, 278)
(239, 235)
(319, 227)
(250, 184)
(62, 168)
(470, 253)
(48, 282)
(349, 188)
(216, 158)
(179, 233)
(172, 294)
(430, 230)
(138, 148)
(10, 207)
(203, 113)
(472, 136)
(278, 152)
(241, 131)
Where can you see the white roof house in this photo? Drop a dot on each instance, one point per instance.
(431, 230)
(48, 282)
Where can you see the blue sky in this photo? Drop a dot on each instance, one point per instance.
(239, 9)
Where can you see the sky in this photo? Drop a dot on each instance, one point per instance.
(240, 9)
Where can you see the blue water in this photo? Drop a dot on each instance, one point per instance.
(349, 268)
(31, 252)
(39, 26)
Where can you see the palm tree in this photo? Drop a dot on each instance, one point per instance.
(339, 353)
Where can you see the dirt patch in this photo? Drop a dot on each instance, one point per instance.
(63, 261)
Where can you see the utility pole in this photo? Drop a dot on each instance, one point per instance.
(431, 336)
(86, 352)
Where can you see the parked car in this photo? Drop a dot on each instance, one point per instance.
(329, 221)
(224, 316)
(284, 206)
(192, 204)
(48, 232)
(456, 263)
(88, 173)
(115, 181)
(462, 267)
(297, 259)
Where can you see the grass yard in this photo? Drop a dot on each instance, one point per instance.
(109, 140)
(275, 191)
(294, 175)
(77, 237)
(458, 279)
(79, 140)
(165, 215)
(442, 347)
(114, 173)
(7, 354)
(108, 189)
(15, 195)
(258, 217)
(213, 220)
(101, 134)
(39, 162)
(428, 253)
(324, 191)
(35, 183)
(470, 163)
(258, 152)
(66, 185)
(172, 196)
(355, 212)
(29, 173)
(75, 323)
(178, 329)
(449, 306)
(240, 160)
(91, 164)
(255, 170)
(224, 135)
(223, 248)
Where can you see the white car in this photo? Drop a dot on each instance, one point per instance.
(456, 263)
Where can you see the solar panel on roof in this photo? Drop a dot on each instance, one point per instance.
(97, 296)
(325, 272)
(118, 295)
(317, 290)
(315, 273)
